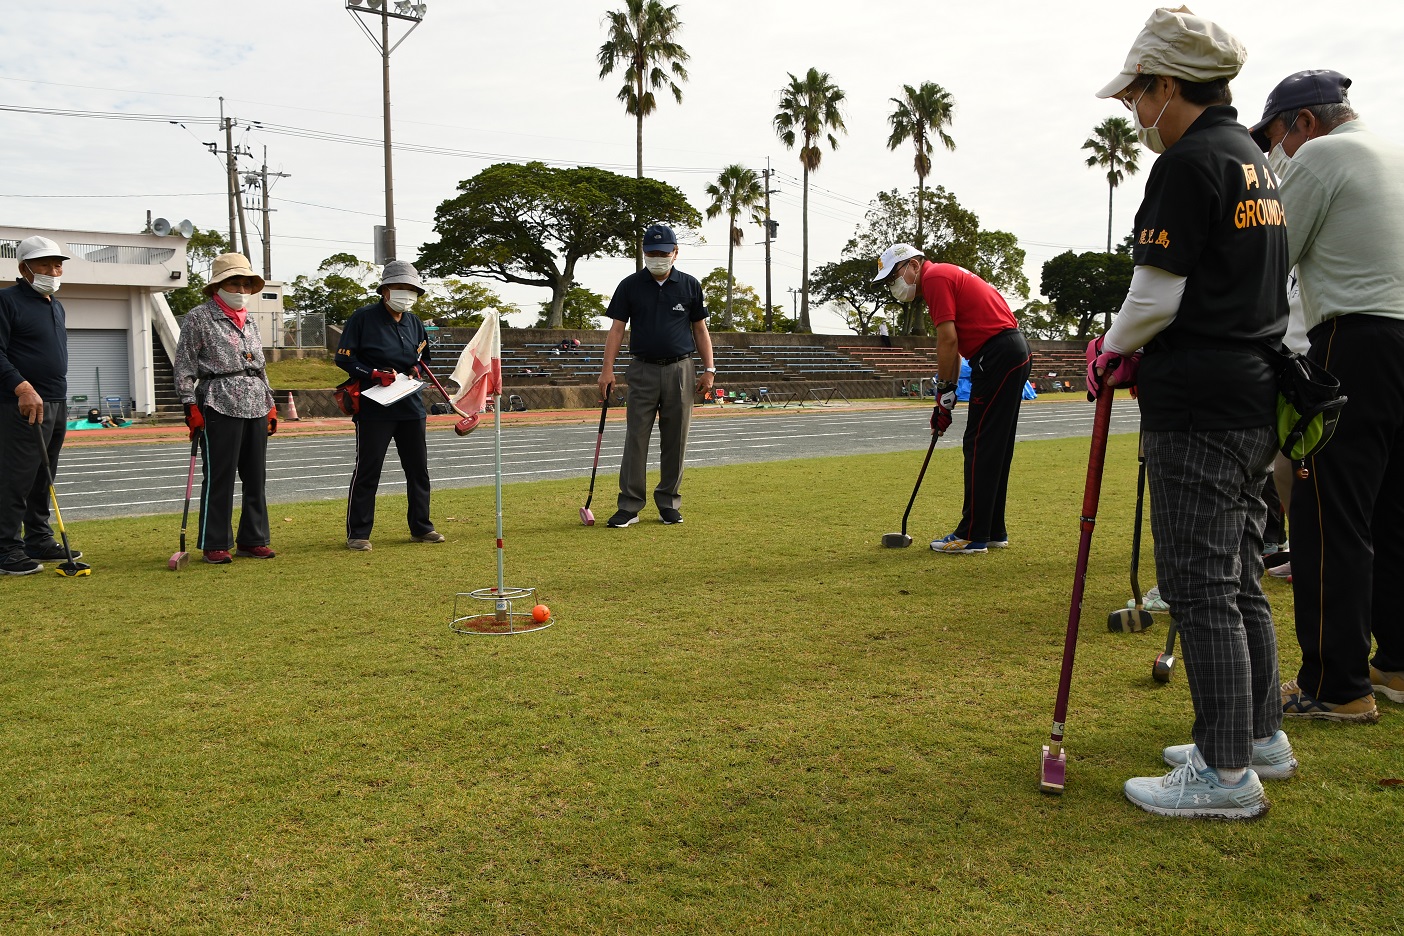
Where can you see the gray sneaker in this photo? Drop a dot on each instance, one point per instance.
(360, 545)
(433, 536)
(1190, 792)
(1272, 760)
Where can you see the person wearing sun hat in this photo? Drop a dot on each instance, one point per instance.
(379, 341)
(1207, 298)
(219, 375)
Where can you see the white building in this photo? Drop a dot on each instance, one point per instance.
(121, 333)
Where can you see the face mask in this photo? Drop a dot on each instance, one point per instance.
(1149, 136)
(658, 266)
(45, 285)
(399, 300)
(902, 290)
(235, 301)
(1278, 160)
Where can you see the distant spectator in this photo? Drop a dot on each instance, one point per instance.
(883, 336)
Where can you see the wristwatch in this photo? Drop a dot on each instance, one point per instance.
(709, 370)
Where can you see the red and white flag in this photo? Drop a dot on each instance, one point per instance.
(479, 369)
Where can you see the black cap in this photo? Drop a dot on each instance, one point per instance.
(1304, 89)
(659, 238)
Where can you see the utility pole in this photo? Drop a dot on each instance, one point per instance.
(231, 178)
(267, 229)
(390, 249)
(769, 324)
(794, 297)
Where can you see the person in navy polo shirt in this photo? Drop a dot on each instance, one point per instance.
(33, 392)
(663, 310)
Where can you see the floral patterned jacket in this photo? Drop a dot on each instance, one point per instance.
(226, 360)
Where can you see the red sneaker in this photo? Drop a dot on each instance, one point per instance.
(218, 557)
(255, 552)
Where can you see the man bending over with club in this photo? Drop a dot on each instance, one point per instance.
(972, 321)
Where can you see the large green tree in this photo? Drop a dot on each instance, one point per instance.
(810, 112)
(200, 251)
(533, 224)
(848, 286)
(736, 190)
(343, 284)
(583, 310)
(1114, 148)
(921, 112)
(749, 310)
(1084, 286)
(457, 303)
(642, 42)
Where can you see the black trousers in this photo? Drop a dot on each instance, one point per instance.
(229, 446)
(24, 488)
(1347, 513)
(372, 441)
(998, 372)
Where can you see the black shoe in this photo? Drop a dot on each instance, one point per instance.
(20, 565)
(670, 515)
(51, 553)
(623, 518)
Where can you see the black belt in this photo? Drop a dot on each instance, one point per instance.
(661, 361)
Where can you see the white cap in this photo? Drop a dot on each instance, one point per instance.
(36, 248)
(893, 256)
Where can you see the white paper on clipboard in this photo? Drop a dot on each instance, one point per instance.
(402, 387)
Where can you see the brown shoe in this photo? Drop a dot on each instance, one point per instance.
(433, 536)
(1391, 684)
(1299, 704)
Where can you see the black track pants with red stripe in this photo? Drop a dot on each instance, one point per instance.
(1347, 515)
(998, 372)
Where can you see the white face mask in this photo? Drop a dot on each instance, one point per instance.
(399, 300)
(902, 290)
(235, 301)
(658, 266)
(1149, 136)
(1278, 160)
(44, 284)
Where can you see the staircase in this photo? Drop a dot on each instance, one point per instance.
(168, 406)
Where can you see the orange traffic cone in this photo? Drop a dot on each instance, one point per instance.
(292, 408)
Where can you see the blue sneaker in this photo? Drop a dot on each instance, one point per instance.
(955, 546)
(1272, 760)
(1194, 792)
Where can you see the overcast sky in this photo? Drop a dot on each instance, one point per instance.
(519, 81)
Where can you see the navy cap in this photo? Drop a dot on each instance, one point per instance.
(659, 238)
(1304, 89)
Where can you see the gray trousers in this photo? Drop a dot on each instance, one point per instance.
(663, 393)
(1207, 516)
(24, 488)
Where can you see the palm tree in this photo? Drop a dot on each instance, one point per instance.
(642, 41)
(921, 112)
(737, 189)
(809, 110)
(1113, 145)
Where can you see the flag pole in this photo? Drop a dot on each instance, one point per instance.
(497, 459)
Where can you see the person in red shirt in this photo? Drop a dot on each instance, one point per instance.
(972, 321)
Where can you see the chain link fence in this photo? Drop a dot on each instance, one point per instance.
(304, 330)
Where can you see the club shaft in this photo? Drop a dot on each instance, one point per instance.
(921, 474)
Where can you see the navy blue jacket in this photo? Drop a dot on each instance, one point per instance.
(373, 340)
(33, 344)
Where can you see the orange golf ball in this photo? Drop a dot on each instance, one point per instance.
(541, 614)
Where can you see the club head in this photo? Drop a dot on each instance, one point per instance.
(466, 425)
(896, 540)
(1130, 620)
(586, 517)
(73, 569)
(178, 561)
(1054, 771)
(1164, 667)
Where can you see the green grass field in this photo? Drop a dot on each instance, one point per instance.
(759, 721)
(304, 374)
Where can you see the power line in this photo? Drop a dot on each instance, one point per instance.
(166, 195)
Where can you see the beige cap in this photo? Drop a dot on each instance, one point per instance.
(891, 257)
(1178, 44)
(229, 265)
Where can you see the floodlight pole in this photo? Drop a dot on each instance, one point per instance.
(415, 15)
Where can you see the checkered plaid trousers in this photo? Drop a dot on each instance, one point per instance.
(1207, 516)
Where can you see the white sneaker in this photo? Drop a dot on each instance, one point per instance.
(1151, 601)
(1272, 759)
(1191, 792)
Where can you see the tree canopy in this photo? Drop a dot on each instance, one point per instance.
(1083, 286)
(748, 312)
(343, 285)
(847, 286)
(920, 113)
(736, 190)
(1114, 148)
(200, 251)
(532, 224)
(584, 309)
(456, 303)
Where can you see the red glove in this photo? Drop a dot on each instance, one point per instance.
(945, 402)
(386, 378)
(1117, 370)
(194, 419)
(273, 419)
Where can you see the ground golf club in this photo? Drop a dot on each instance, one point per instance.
(1055, 758)
(586, 517)
(465, 425)
(1164, 665)
(180, 559)
(902, 540)
(68, 568)
(1135, 619)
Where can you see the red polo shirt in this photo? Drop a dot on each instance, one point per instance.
(954, 294)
